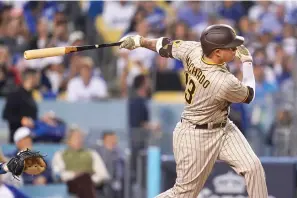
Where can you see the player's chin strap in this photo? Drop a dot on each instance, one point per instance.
(248, 76)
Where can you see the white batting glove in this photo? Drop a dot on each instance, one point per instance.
(130, 42)
(243, 54)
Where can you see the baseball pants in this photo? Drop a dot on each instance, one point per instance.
(196, 151)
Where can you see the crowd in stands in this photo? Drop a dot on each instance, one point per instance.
(87, 170)
(269, 28)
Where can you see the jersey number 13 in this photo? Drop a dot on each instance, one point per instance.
(190, 89)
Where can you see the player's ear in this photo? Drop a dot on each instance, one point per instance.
(217, 52)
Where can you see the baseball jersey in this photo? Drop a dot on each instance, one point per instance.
(210, 88)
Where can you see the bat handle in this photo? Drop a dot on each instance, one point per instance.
(109, 44)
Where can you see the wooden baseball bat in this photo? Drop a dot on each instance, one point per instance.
(59, 51)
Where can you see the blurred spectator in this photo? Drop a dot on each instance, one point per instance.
(179, 31)
(78, 38)
(247, 28)
(86, 86)
(113, 158)
(260, 59)
(111, 26)
(232, 10)
(132, 63)
(42, 37)
(283, 134)
(259, 8)
(261, 110)
(271, 22)
(47, 129)
(52, 77)
(212, 19)
(166, 76)
(120, 21)
(71, 72)
(9, 76)
(155, 16)
(34, 10)
(291, 16)
(21, 103)
(283, 66)
(140, 14)
(23, 141)
(192, 14)
(82, 169)
(14, 37)
(139, 119)
(289, 42)
(60, 31)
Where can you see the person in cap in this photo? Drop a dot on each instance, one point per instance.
(204, 133)
(23, 141)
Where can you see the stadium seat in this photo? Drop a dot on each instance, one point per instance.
(47, 191)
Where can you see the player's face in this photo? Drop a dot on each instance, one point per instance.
(228, 55)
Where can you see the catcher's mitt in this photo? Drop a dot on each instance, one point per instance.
(27, 161)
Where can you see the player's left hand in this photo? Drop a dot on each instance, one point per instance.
(26, 161)
(243, 54)
(130, 42)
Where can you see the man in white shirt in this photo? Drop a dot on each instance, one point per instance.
(86, 87)
(117, 15)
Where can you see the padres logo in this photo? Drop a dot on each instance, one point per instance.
(177, 43)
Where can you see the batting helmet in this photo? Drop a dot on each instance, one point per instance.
(218, 37)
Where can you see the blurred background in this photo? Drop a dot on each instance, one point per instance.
(104, 118)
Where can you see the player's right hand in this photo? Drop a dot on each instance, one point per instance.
(130, 42)
(243, 54)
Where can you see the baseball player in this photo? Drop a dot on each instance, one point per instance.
(204, 133)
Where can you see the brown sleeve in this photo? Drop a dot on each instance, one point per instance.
(177, 49)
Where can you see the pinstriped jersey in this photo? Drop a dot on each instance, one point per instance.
(210, 89)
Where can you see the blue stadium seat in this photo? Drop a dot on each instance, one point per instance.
(7, 149)
(47, 191)
(45, 149)
(49, 149)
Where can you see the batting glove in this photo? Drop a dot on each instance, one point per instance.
(243, 54)
(130, 42)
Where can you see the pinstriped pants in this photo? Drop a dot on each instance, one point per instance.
(196, 150)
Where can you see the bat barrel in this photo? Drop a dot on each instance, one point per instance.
(46, 52)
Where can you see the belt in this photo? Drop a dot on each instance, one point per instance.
(209, 125)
